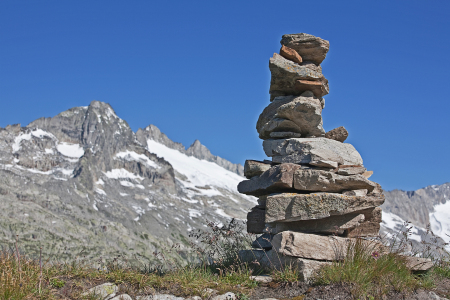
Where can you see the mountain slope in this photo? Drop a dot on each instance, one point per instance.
(426, 207)
(84, 182)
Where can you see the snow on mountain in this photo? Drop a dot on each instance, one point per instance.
(440, 221)
(199, 173)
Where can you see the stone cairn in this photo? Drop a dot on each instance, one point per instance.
(314, 196)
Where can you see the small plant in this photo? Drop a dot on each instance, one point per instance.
(57, 283)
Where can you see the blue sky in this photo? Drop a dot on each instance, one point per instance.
(199, 70)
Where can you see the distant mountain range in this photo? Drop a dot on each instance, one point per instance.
(83, 183)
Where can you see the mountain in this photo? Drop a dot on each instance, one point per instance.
(83, 183)
(428, 207)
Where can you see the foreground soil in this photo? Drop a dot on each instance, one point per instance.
(275, 290)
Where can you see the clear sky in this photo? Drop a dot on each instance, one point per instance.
(199, 70)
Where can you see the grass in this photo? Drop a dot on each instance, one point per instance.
(371, 275)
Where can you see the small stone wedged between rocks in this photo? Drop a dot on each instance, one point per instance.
(339, 134)
(290, 54)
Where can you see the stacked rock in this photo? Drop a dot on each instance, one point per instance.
(315, 188)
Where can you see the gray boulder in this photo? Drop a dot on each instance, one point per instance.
(295, 207)
(292, 114)
(285, 74)
(306, 150)
(102, 290)
(309, 47)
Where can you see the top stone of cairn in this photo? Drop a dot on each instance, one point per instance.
(309, 47)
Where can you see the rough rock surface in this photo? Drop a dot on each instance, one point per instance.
(264, 241)
(330, 225)
(279, 177)
(290, 54)
(285, 74)
(370, 226)
(286, 176)
(255, 168)
(418, 263)
(313, 246)
(271, 260)
(324, 181)
(256, 220)
(305, 150)
(351, 170)
(294, 114)
(295, 207)
(102, 290)
(319, 88)
(339, 134)
(310, 48)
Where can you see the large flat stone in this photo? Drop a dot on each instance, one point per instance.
(331, 225)
(277, 178)
(310, 48)
(293, 114)
(271, 260)
(287, 207)
(306, 150)
(285, 74)
(325, 181)
(317, 247)
(290, 177)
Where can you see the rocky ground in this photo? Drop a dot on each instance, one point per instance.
(267, 290)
